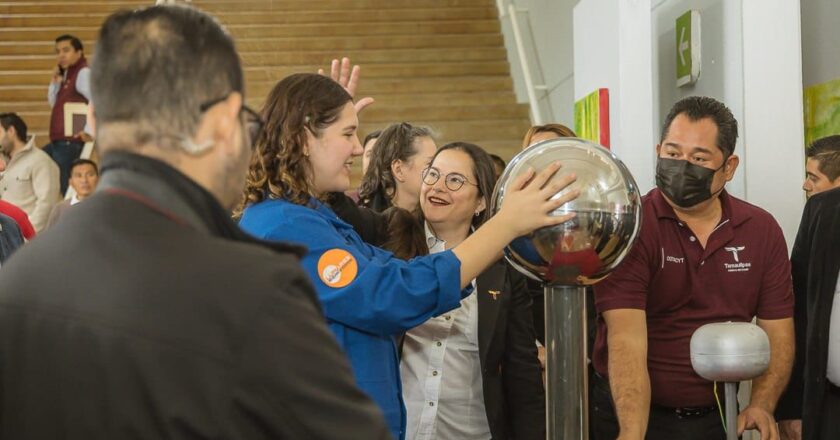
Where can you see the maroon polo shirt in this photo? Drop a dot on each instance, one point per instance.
(743, 272)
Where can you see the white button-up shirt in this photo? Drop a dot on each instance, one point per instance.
(441, 373)
(833, 370)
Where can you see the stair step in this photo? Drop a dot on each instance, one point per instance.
(48, 33)
(359, 16)
(337, 45)
(259, 85)
(371, 71)
(438, 114)
(220, 7)
(467, 130)
(375, 114)
(311, 58)
(398, 100)
(33, 7)
(276, 72)
(378, 56)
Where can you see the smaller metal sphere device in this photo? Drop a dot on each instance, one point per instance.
(569, 256)
(730, 352)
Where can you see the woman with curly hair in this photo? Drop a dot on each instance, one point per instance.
(368, 295)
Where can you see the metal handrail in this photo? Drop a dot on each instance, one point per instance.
(531, 89)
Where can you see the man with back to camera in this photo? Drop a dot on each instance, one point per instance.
(29, 179)
(70, 83)
(702, 256)
(809, 407)
(190, 328)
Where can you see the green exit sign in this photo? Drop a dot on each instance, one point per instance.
(688, 48)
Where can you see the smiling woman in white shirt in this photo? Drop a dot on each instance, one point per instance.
(471, 373)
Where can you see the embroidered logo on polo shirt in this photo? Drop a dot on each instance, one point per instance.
(738, 266)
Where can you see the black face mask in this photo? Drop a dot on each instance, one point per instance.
(683, 182)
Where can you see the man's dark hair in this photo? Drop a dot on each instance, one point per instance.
(75, 42)
(155, 68)
(13, 120)
(80, 162)
(826, 151)
(701, 107)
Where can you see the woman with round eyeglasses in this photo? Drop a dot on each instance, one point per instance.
(368, 296)
(471, 373)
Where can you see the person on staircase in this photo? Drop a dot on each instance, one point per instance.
(70, 83)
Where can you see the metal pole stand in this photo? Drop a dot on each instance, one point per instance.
(567, 401)
(731, 410)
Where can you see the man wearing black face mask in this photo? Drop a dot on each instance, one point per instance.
(702, 256)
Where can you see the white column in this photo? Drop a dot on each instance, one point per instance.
(773, 121)
(613, 50)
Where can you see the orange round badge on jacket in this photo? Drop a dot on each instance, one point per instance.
(337, 268)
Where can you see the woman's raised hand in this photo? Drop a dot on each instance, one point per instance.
(341, 73)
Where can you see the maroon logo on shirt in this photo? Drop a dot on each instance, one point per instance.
(739, 266)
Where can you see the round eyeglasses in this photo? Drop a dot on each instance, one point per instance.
(452, 181)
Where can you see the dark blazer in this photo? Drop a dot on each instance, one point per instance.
(371, 225)
(129, 319)
(815, 262)
(514, 397)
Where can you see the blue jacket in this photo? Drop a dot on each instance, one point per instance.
(365, 305)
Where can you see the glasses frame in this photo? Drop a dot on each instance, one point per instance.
(445, 179)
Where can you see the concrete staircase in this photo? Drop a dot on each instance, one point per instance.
(440, 63)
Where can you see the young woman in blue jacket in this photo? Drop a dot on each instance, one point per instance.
(368, 296)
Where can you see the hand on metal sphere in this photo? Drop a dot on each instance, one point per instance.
(528, 203)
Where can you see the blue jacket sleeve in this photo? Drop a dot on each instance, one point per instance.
(388, 295)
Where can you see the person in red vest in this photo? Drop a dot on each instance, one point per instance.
(70, 83)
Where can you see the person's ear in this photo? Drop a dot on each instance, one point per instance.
(482, 205)
(311, 140)
(221, 124)
(730, 165)
(397, 170)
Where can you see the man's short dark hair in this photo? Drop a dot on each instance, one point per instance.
(13, 120)
(701, 107)
(826, 151)
(80, 162)
(74, 41)
(155, 68)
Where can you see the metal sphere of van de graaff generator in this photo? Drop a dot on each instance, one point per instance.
(607, 214)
